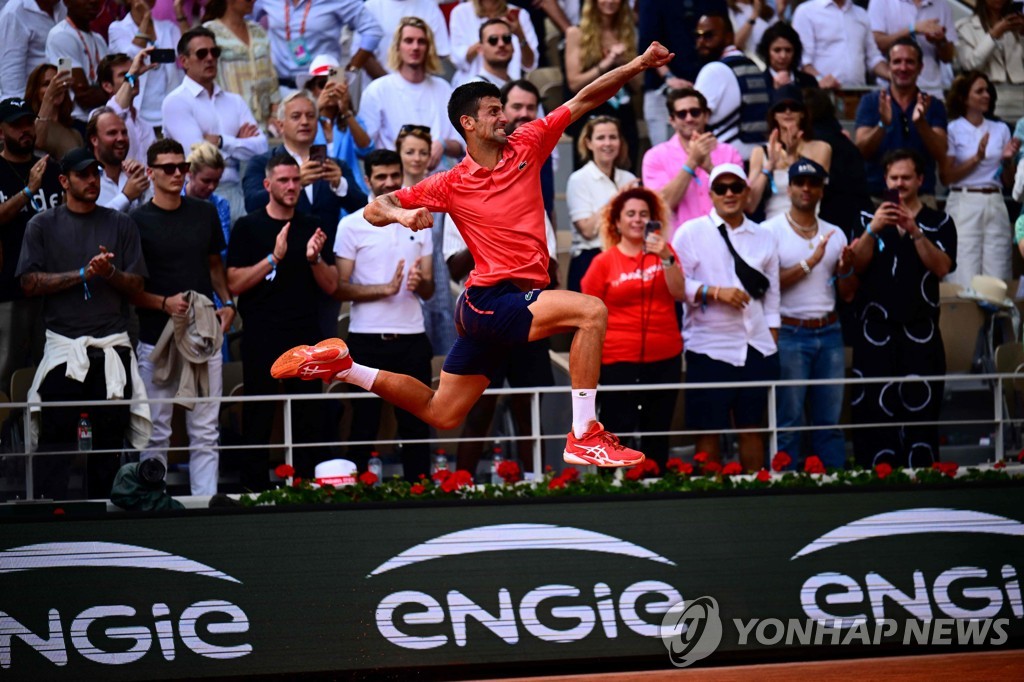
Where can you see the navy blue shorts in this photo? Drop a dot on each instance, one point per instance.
(709, 408)
(489, 320)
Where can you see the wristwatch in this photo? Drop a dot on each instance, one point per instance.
(669, 261)
(316, 260)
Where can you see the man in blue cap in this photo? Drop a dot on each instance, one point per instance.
(814, 262)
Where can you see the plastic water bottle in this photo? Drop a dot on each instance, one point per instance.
(84, 433)
(375, 466)
(440, 461)
(497, 457)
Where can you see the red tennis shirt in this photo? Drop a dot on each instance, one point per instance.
(499, 212)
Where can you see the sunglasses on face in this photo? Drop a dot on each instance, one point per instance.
(169, 168)
(505, 39)
(694, 112)
(735, 187)
(410, 128)
(705, 35)
(204, 52)
(787, 106)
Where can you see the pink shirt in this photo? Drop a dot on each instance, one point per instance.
(663, 162)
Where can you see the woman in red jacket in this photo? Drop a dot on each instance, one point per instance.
(639, 279)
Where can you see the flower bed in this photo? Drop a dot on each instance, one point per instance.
(680, 477)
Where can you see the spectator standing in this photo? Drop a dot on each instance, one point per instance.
(839, 47)
(903, 253)
(389, 13)
(680, 168)
(29, 185)
(496, 52)
(47, 93)
(790, 137)
(737, 91)
(339, 127)
(199, 109)
(813, 254)
(119, 78)
(301, 29)
(123, 183)
(24, 25)
(639, 280)
(729, 333)
(278, 267)
(86, 264)
(991, 40)
(132, 34)
(72, 39)
(181, 241)
(411, 94)
(385, 272)
(604, 40)
(979, 165)
(464, 24)
(750, 19)
(245, 66)
(590, 189)
(929, 22)
(204, 173)
(673, 24)
(901, 117)
(781, 51)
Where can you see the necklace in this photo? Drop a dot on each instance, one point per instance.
(807, 233)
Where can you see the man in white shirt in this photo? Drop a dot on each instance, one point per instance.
(930, 23)
(738, 91)
(412, 94)
(120, 78)
(139, 30)
(72, 39)
(839, 47)
(385, 272)
(729, 334)
(813, 256)
(497, 49)
(199, 110)
(123, 182)
(389, 13)
(24, 25)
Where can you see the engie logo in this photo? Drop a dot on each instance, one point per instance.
(414, 619)
(208, 628)
(967, 592)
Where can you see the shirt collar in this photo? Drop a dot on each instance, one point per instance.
(746, 226)
(475, 168)
(195, 89)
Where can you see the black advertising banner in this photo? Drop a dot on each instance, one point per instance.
(364, 588)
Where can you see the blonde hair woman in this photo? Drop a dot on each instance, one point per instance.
(464, 24)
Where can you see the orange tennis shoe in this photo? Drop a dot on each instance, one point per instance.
(322, 361)
(600, 448)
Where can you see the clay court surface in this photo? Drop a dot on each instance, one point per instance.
(991, 665)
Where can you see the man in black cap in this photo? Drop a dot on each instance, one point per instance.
(85, 261)
(28, 185)
(814, 261)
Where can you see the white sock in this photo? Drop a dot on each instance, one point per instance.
(584, 409)
(360, 375)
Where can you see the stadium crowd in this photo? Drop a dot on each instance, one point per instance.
(176, 174)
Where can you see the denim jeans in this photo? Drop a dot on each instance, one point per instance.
(811, 354)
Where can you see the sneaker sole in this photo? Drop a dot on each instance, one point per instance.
(570, 458)
(289, 365)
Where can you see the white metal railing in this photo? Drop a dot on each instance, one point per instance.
(995, 383)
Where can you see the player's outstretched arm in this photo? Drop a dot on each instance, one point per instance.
(600, 90)
(386, 209)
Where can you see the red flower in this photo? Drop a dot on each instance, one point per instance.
(368, 478)
(1000, 464)
(284, 471)
(460, 479)
(635, 473)
(556, 483)
(674, 464)
(781, 460)
(712, 468)
(731, 469)
(571, 473)
(1020, 455)
(764, 476)
(651, 467)
(948, 468)
(700, 457)
(416, 489)
(686, 469)
(882, 470)
(296, 482)
(423, 477)
(509, 472)
(814, 465)
(441, 475)
(58, 511)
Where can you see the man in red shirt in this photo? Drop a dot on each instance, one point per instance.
(494, 196)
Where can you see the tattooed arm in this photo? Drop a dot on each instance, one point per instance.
(43, 283)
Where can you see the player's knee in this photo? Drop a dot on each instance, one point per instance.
(447, 421)
(595, 313)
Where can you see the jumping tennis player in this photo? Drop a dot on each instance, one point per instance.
(494, 196)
